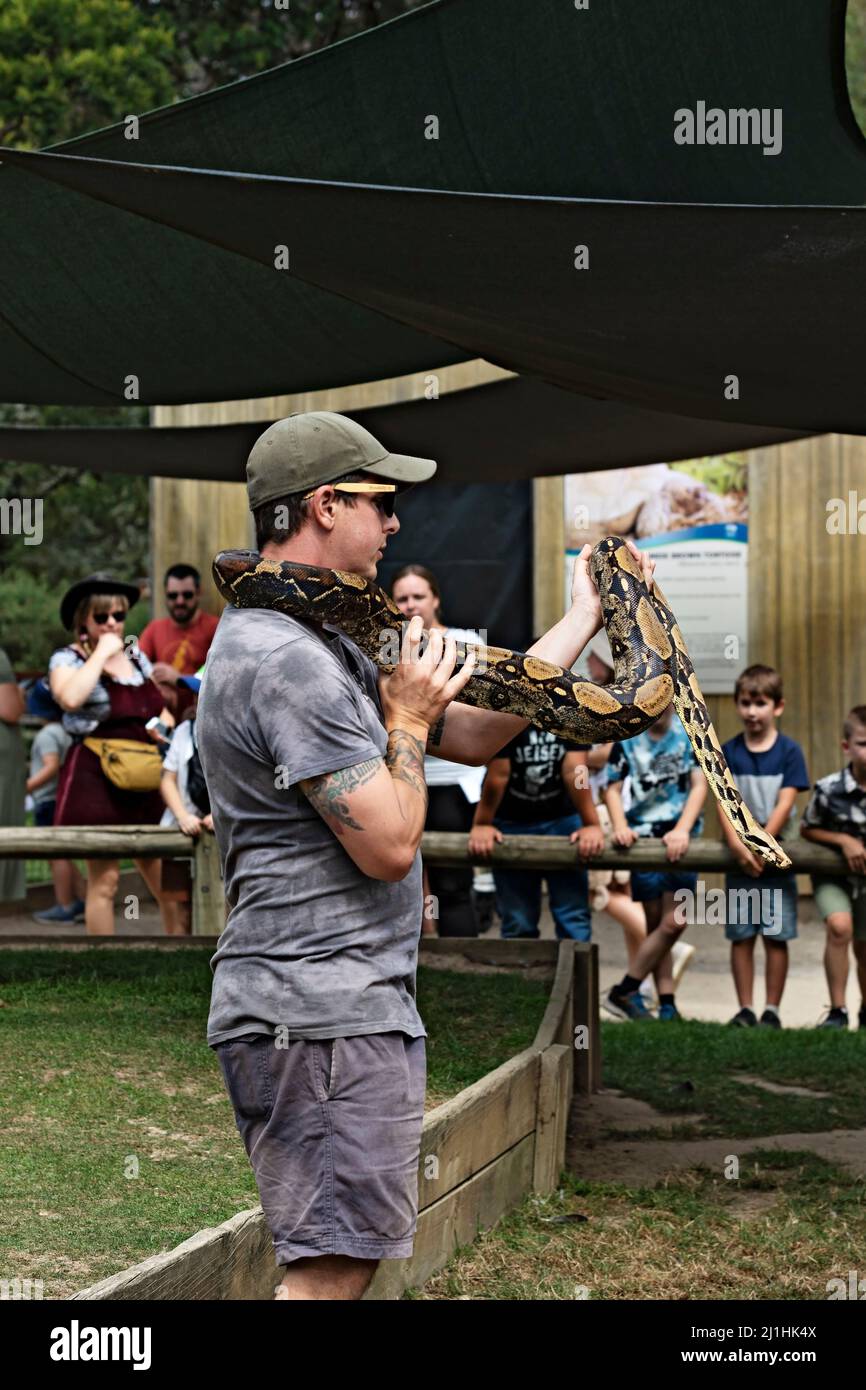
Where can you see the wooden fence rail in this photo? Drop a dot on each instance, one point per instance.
(204, 884)
(437, 847)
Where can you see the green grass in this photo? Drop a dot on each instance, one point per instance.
(787, 1226)
(104, 1072)
(690, 1068)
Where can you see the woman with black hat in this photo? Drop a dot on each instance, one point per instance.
(112, 771)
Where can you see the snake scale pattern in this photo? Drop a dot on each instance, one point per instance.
(651, 661)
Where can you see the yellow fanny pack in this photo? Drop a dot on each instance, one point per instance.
(131, 766)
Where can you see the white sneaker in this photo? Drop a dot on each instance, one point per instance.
(681, 955)
(647, 990)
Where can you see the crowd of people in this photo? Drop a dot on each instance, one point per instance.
(116, 746)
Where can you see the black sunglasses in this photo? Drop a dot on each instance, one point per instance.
(118, 614)
(180, 593)
(382, 495)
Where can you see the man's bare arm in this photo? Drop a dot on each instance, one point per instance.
(330, 794)
(378, 807)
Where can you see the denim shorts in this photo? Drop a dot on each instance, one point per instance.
(333, 1132)
(648, 886)
(765, 906)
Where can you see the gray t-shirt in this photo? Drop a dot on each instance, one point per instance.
(311, 942)
(51, 738)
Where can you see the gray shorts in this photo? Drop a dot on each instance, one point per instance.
(333, 1133)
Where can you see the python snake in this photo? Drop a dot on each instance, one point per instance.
(651, 661)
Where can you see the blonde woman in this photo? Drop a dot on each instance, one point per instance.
(103, 689)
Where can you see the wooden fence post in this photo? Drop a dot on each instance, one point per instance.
(208, 898)
(587, 1060)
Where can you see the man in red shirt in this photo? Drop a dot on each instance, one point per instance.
(178, 644)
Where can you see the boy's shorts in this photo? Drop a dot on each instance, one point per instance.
(842, 894)
(43, 812)
(333, 1132)
(647, 887)
(765, 906)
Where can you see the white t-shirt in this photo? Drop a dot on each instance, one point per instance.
(440, 772)
(177, 761)
(598, 782)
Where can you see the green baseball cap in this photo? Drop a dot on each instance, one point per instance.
(305, 451)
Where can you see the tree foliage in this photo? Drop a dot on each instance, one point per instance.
(67, 67)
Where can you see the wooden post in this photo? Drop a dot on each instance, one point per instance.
(594, 1020)
(582, 1016)
(548, 541)
(208, 899)
(552, 1117)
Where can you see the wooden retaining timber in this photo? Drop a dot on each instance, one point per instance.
(481, 1152)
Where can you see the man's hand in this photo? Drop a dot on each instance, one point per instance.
(482, 838)
(855, 853)
(584, 594)
(422, 687)
(589, 840)
(167, 675)
(676, 843)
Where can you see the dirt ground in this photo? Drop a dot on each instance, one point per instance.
(597, 1152)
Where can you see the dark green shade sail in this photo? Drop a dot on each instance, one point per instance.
(555, 130)
(502, 432)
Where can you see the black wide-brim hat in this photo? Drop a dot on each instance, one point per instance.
(100, 583)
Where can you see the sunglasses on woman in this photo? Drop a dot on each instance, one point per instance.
(118, 614)
(386, 503)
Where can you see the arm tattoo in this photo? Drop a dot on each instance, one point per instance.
(404, 760)
(434, 738)
(327, 794)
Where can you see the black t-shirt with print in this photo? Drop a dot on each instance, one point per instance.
(535, 788)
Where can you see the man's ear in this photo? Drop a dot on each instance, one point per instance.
(323, 508)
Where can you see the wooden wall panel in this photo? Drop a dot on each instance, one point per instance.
(807, 588)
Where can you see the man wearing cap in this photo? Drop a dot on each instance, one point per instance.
(315, 770)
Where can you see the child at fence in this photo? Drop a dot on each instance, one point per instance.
(769, 769)
(610, 889)
(49, 748)
(668, 792)
(538, 785)
(186, 797)
(836, 816)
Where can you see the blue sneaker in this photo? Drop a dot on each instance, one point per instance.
(668, 1012)
(57, 914)
(626, 1005)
